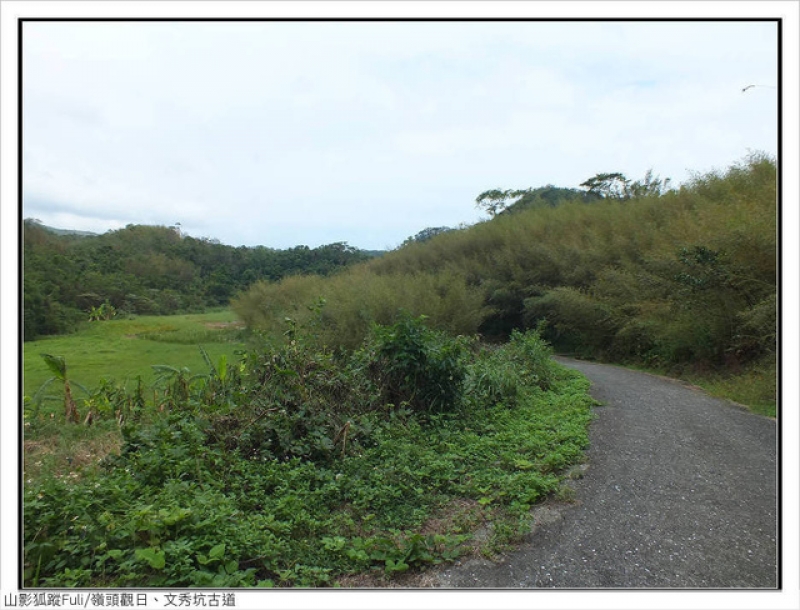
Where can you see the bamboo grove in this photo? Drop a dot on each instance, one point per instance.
(682, 277)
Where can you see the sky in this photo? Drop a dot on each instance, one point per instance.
(307, 133)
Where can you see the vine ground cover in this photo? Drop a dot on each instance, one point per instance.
(293, 468)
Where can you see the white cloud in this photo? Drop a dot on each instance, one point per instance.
(301, 132)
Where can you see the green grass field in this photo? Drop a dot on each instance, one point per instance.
(121, 350)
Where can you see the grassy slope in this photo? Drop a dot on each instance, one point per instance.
(754, 387)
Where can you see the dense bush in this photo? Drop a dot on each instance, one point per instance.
(415, 366)
(358, 298)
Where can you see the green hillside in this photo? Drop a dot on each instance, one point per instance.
(682, 280)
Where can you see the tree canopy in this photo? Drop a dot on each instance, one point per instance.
(617, 186)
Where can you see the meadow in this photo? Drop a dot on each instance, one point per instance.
(110, 354)
(120, 350)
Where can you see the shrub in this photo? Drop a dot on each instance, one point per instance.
(758, 330)
(492, 379)
(533, 356)
(415, 366)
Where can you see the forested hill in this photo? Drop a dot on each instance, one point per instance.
(148, 270)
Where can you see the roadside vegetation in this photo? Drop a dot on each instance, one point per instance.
(300, 466)
(682, 281)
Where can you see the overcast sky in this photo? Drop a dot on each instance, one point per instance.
(288, 133)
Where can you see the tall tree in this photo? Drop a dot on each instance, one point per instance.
(496, 201)
(608, 186)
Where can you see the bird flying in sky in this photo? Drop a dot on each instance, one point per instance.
(751, 86)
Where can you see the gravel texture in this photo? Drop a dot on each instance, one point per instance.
(679, 491)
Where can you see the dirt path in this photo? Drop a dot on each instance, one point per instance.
(680, 491)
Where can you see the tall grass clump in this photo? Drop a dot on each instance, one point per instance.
(358, 298)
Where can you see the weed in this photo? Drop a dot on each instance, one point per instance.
(291, 469)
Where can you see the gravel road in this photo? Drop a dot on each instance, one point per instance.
(679, 492)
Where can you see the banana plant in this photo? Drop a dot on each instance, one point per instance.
(180, 385)
(106, 311)
(58, 366)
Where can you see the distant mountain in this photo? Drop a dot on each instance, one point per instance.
(67, 232)
(56, 231)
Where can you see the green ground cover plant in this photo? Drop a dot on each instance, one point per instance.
(297, 465)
